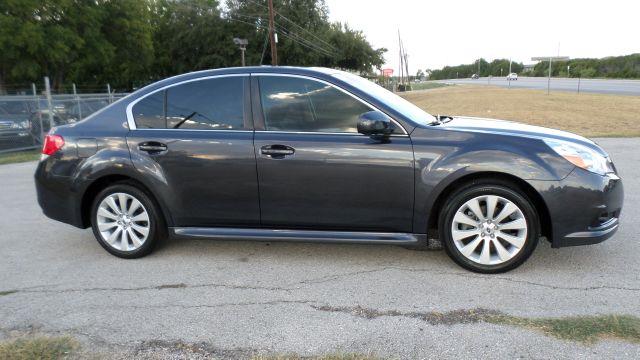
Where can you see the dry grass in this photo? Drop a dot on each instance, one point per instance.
(589, 115)
(19, 156)
(588, 329)
(42, 348)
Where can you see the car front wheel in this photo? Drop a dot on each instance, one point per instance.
(126, 221)
(489, 228)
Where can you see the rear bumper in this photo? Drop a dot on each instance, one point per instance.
(55, 197)
(584, 208)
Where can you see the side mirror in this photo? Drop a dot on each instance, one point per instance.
(374, 123)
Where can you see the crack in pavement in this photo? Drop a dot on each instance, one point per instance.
(197, 306)
(462, 316)
(144, 288)
(319, 280)
(335, 277)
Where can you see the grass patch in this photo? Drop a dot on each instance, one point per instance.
(591, 115)
(44, 348)
(427, 85)
(19, 156)
(321, 357)
(588, 329)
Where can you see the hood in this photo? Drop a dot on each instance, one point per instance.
(510, 128)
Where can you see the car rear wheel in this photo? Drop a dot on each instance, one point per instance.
(489, 228)
(126, 221)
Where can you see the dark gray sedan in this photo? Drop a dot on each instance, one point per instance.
(309, 154)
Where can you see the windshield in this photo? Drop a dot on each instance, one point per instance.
(383, 95)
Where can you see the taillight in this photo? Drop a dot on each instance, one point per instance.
(52, 143)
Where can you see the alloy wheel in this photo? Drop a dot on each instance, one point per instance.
(123, 222)
(489, 229)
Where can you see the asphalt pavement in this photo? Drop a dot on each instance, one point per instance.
(603, 86)
(233, 299)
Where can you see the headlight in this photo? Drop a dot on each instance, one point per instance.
(581, 156)
(21, 125)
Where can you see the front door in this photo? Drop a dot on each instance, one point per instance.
(198, 137)
(316, 171)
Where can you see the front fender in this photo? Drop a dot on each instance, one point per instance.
(444, 157)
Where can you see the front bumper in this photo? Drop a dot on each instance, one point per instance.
(584, 208)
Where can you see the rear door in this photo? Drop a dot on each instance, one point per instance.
(316, 171)
(198, 137)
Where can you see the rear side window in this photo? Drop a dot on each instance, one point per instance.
(148, 113)
(298, 104)
(211, 104)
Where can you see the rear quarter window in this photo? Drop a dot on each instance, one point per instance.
(148, 113)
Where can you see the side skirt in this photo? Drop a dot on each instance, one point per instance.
(352, 237)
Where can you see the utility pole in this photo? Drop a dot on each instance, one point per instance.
(242, 45)
(401, 67)
(272, 35)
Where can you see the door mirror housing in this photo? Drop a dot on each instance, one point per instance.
(375, 123)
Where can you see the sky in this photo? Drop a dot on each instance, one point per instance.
(436, 33)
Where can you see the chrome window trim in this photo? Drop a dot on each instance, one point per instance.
(129, 111)
(321, 133)
(404, 131)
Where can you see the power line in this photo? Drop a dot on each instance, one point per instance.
(264, 48)
(290, 35)
(287, 33)
(308, 32)
(279, 26)
(298, 26)
(304, 43)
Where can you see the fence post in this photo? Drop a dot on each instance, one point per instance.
(109, 92)
(47, 88)
(75, 95)
(36, 101)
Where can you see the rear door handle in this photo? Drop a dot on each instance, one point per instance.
(152, 147)
(277, 151)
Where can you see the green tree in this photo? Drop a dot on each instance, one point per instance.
(129, 43)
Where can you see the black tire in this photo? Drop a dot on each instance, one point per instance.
(489, 187)
(157, 227)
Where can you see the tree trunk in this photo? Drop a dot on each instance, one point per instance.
(2, 77)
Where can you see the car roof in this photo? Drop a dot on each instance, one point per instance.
(321, 71)
(318, 72)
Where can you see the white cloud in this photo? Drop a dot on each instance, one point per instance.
(450, 32)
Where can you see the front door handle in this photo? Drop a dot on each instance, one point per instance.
(277, 151)
(152, 147)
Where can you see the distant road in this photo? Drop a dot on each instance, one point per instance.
(621, 87)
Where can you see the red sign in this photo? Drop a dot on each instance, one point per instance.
(387, 72)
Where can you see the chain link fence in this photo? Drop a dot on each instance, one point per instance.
(26, 119)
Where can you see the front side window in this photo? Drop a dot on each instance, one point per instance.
(298, 104)
(211, 104)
